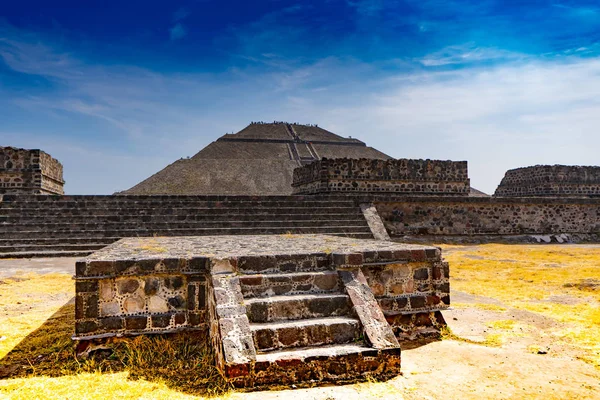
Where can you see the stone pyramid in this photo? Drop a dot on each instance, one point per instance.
(258, 160)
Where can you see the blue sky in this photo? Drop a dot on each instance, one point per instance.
(119, 89)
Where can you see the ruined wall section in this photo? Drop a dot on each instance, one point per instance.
(29, 172)
(402, 176)
(550, 181)
(139, 296)
(488, 216)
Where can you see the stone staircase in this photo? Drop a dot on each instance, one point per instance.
(42, 226)
(304, 326)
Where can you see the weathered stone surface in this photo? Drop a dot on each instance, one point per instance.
(157, 304)
(126, 286)
(377, 330)
(110, 308)
(136, 323)
(551, 181)
(402, 176)
(374, 220)
(29, 172)
(133, 305)
(107, 290)
(86, 286)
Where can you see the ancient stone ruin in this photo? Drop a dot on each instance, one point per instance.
(279, 309)
(29, 172)
(281, 241)
(551, 181)
(401, 176)
(258, 160)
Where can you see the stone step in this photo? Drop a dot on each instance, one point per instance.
(85, 247)
(41, 240)
(21, 198)
(263, 285)
(334, 363)
(347, 230)
(67, 224)
(175, 210)
(293, 307)
(39, 218)
(163, 203)
(305, 332)
(45, 254)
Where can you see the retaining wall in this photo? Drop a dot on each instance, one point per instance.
(488, 216)
(550, 180)
(376, 176)
(29, 172)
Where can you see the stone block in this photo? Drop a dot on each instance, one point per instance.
(196, 318)
(111, 323)
(85, 327)
(126, 286)
(110, 308)
(421, 274)
(191, 297)
(157, 304)
(417, 302)
(107, 292)
(86, 286)
(100, 268)
(133, 305)
(151, 286)
(180, 319)
(161, 321)
(91, 306)
(136, 323)
(177, 302)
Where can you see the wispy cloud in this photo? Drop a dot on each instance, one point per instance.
(468, 53)
(180, 14)
(516, 111)
(178, 31)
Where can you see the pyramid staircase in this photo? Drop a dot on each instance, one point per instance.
(45, 226)
(302, 323)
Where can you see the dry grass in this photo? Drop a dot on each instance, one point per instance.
(538, 279)
(39, 356)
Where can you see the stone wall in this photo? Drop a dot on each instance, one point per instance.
(550, 180)
(29, 172)
(376, 176)
(488, 216)
(134, 297)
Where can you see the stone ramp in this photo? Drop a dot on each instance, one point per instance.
(44, 226)
(280, 309)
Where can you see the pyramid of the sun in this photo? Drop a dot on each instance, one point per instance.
(258, 160)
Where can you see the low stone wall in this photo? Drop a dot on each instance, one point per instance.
(488, 216)
(550, 180)
(376, 176)
(29, 172)
(139, 296)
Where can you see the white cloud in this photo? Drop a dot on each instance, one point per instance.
(467, 53)
(517, 113)
(178, 31)
(181, 13)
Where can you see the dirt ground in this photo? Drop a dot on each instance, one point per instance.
(496, 349)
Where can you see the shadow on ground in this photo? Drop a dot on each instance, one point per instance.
(182, 362)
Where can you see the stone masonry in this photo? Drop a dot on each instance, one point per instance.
(279, 308)
(29, 172)
(488, 216)
(550, 180)
(388, 176)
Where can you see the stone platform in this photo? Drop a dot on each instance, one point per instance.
(279, 308)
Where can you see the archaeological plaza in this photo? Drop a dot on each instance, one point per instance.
(303, 255)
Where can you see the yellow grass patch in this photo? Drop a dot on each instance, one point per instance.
(561, 282)
(38, 354)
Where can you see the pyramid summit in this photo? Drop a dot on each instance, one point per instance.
(258, 160)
